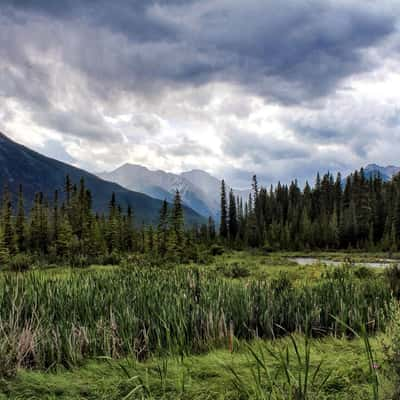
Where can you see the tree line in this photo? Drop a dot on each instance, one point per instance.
(359, 212)
(69, 230)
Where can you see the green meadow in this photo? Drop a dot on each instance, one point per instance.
(247, 325)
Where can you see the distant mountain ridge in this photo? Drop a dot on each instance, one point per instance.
(199, 190)
(386, 173)
(38, 173)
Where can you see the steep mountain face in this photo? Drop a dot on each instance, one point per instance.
(386, 173)
(37, 173)
(199, 190)
(161, 185)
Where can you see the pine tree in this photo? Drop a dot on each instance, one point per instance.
(6, 220)
(56, 218)
(223, 227)
(20, 228)
(333, 239)
(233, 222)
(150, 240)
(68, 190)
(162, 230)
(113, 226)
(396, 220)
(65, 239)
(211, 229)
(128, 228)
(178, 223)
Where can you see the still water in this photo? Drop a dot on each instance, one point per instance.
(313, 260)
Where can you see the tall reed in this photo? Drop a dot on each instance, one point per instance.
(62, 319)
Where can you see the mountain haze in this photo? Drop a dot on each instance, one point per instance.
(386, 173)
(38, 173)
(199, 189)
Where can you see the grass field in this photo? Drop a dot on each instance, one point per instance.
(196, 331)
(210, 376)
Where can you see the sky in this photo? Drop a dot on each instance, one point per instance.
(281, 89)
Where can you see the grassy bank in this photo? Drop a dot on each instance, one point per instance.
(219, 374)
(51, 319)
(140, 331)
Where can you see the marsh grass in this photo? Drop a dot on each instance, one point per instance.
(48, 320)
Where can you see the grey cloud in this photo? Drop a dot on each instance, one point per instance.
(70, 63)
(83, 126)
(262, 148)
(291, 53)
(186, 147)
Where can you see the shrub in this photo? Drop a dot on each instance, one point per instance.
(239, 270)
(392, 275)
(281, 283)
(363, 272)
(216, 250)
(204, 258)
(143, 261)
(8, 359)
(113, 258)
(79, 261)
(20, 263)
(234, 270)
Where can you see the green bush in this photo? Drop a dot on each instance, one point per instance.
(113, 258)
(8, 359)
(79, 261)
(363, 272)
(234, 270)
(216, 250)
(281, 283)
(20, 263)
(204, 258)
(392, 275)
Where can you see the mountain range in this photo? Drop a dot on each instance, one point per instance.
(386, 173)
(133, 185)
(38, 173)
(199, 190)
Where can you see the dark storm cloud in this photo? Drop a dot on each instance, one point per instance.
(80, 125)
(128, 17)
(69, 65)
(291, 53)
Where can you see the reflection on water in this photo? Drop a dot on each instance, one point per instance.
(313, 260)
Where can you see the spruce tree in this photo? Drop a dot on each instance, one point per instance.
(162, 230)
(65, 239)
(223, 227)
(396, 220)
(233, 222)
(211, 229)
(20, 228)
(6, 220)
(178, 223)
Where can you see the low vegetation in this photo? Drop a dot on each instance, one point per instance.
(148, 321)
(167, 312)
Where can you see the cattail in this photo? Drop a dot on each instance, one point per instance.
(231, 335)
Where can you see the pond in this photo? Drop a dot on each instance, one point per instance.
(314, 260)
